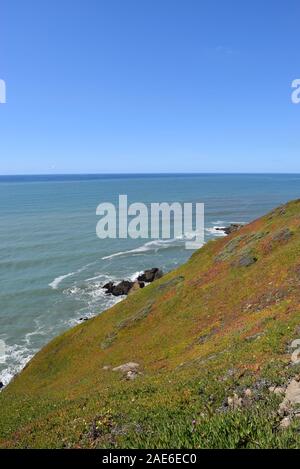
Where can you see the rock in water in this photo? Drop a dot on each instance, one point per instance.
(108, 287)
(124, 287)
(150, 275)
(120, 289)
(230, 229)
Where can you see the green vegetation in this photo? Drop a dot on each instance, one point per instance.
(218, 326)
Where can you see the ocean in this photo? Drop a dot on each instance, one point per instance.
(52, 265)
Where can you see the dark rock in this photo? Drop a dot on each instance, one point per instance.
(230, 229)
(122, 288)
(83, 319)
(108, 287)
(150, 275)
(1, 385)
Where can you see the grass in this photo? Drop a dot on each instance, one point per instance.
(208, 330)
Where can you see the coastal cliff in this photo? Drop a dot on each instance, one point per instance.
(203, 357)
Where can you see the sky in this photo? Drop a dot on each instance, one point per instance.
(113, 86)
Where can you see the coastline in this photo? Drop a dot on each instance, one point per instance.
(58, 246)
(220, 323)
(7, 375)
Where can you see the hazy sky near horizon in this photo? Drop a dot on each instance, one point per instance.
(149, 86)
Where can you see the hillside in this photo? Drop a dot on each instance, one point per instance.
(208, 344)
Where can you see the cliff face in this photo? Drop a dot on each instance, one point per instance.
(207, 355)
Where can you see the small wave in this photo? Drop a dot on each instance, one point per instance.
(155, 245)
(134, 276)
(59, 279)
(224, 223)
(100, 276)
(215, 231)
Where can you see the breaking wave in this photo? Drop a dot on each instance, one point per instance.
(153, 246)
(54, 284)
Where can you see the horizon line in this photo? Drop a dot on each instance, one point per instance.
(167, 173)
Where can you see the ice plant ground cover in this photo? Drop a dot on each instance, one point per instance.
(201, 358)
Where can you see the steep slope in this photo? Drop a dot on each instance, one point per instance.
(218, 327)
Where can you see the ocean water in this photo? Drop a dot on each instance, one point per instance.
(52, 265)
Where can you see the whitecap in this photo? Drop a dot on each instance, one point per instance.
(154, 245)
(216, 231)
(59, 279)
(134, 276)
(54, 284)
(100, 276)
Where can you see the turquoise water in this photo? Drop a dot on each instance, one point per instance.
(52, 264)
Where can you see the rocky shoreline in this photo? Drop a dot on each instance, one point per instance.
(230, 229)
(125, 287)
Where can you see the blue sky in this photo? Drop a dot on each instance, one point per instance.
(149, 86)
